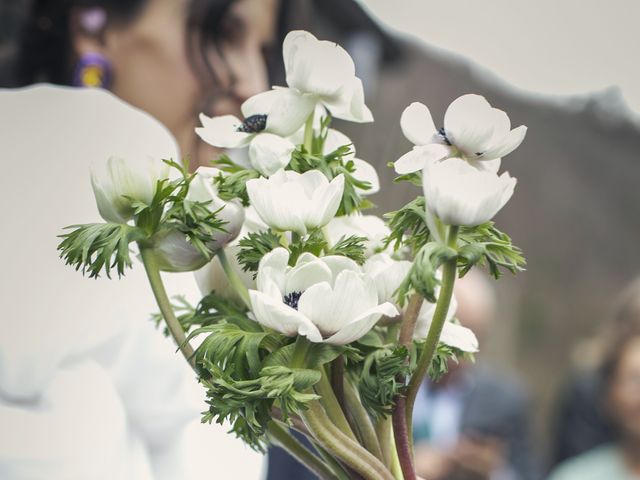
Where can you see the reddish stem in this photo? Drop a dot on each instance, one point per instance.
(401, 435)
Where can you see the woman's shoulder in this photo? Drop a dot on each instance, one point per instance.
(599, 463)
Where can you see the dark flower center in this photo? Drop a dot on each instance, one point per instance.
(253, 124)
(292, 299)
(443, 135)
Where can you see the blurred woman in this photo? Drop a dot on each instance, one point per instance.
(170, 58)
(619, 459)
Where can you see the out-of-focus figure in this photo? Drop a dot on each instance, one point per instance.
(582, 421)
(172, 58)
(474, 422)
(620, 397)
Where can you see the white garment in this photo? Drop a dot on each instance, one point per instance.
(89, 390)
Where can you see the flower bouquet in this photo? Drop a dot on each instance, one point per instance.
(315, 318)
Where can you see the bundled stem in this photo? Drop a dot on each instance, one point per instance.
(361, 422)
(332, 406)
(342, 447)
(282, 437)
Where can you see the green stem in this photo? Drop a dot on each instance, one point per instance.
(300, 351)
(162, 299)
(282, 437)
(361, 421)
(449, 271)
(234, 279)
(384, 433)
(336, 466)
(396, 468)
(342, 447)
(332, 406)
(308, 134)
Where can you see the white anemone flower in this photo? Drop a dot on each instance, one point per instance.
(453, 334)
(118, 182)
(326, 299)
(473, 130)
(319, 72)
(369, 226)
(460, 194)
(173, 252)
(276, 111)
(293, 201)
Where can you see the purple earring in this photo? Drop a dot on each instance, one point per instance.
(93, 70)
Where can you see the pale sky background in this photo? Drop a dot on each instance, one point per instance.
(548, 46)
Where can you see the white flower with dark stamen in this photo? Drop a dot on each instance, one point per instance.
(268, 112)
(119, 182)
(473, 130)
(368, 226)
(460, 194)
(297, 202)
(320, 72)
(326, 299)
(173, 251)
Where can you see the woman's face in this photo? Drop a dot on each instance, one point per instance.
(157, 68)
(624, 394)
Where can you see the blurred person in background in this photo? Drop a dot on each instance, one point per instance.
(173, 59)
(618, 459)
(473, 423)
(581, 420)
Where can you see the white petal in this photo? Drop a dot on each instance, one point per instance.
(302, 277)
(459, 337)
(330, 309)
(417, 124)
(349, 103)
(325, 203)
(315, 66)
(276, 315)
(277, 260)
(361, 325)
(175, 254)
(419, 157)
(506, 144)
(269, 153)
(339, 263)
(469, 124)
(365, 172)
(279, 204)
(222, 131)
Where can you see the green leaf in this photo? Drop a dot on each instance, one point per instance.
(422, 275)
(99, 247)
(486, 245)
(317, 355)
(352, 246)
(408, 226)
(254, 246)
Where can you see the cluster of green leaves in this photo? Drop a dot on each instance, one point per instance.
(95, 247)
(255, 245)
(232, 180)
(376, 370)
(247, 371)
(408, 226)
(486, 245)
(442, 357)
